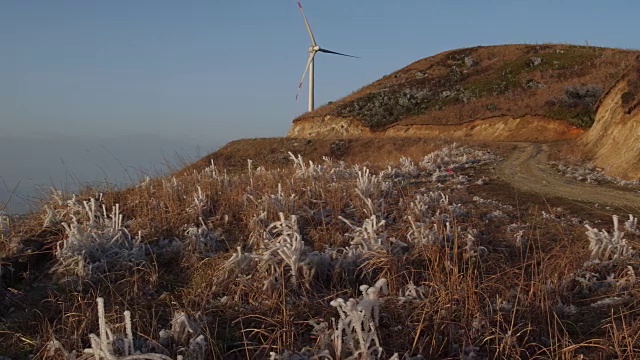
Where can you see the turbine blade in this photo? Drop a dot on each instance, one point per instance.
(304, 74)
(337, 53)
(306, 22)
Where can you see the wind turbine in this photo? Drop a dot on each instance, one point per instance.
(312, 53)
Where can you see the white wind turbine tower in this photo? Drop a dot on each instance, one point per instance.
(312, 53)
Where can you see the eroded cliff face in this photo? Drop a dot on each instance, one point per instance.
(527, 128)
(614, 140)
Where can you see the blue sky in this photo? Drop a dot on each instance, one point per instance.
(229, 69)
(207, 72)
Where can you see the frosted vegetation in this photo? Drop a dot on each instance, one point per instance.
(331, 260)
(5, 224)
(590, 174)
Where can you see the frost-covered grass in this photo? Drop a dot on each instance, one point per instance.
(590, 174)
(328, 260)
(5, 223)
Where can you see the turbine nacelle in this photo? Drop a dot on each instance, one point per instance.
(312, 53)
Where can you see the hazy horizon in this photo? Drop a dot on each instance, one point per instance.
(39, 163)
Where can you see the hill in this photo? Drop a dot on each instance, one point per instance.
(536, 93)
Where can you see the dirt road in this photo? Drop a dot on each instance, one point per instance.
(527, 169)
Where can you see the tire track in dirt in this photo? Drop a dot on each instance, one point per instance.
(527, 169)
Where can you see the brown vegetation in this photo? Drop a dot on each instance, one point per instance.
(561, 82)
(505, 279)
(496, 272)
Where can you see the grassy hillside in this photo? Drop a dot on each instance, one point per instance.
(253, 253)
(562, 82)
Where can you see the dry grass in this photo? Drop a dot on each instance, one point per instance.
(485, 292)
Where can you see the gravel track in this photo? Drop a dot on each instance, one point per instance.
(527, 169)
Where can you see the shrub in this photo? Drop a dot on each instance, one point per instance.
(534, 61)
(533, 84)
(577, 105)
(582, 118)
(338, 148)
(385, 107)
(582, 96)
(627, 97)
(469, 61)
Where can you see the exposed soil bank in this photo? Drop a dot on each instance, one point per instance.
(527, 128)
(614, 140)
